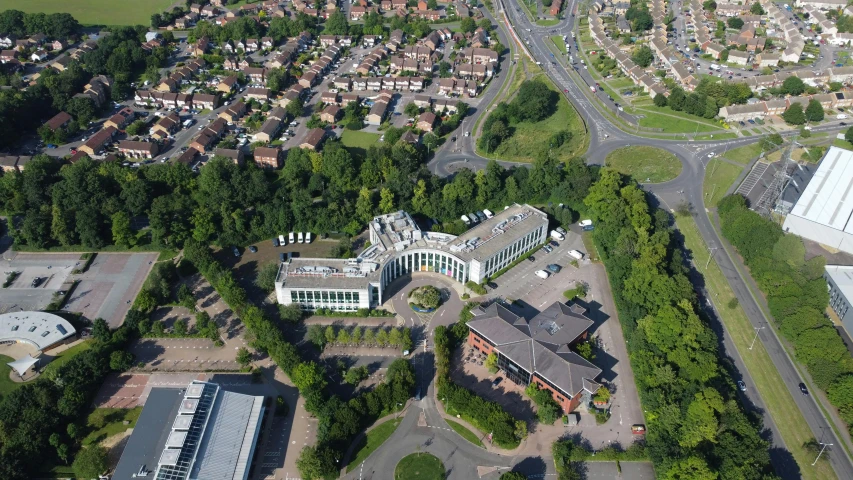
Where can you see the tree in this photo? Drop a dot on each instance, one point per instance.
(121, 361)
(794, 115)
(317, 336)
(814, 111)
(156, 20)
(316, 463)
(135, 128)
(512, 476)
(122, 233)
(793, 86)
(431, 141)
(412, 110)
(467, 25)
(492, 363)
(343, 337)
(265, 279)
(308, 376)
(643, 56)
(848, 135)
(101, 331)
(354, 376)
(386, 201)
(295, 107)
(90, 462)
(244, 357)
(382, 337)
(330, 335)
(395, 337)
(336, 24)
(660, 100)
(369, 336)
(291, 313)
(734, 22)
(756, 9)
(692, 468)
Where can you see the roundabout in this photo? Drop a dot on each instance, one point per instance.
(419, 466)
(645, 164)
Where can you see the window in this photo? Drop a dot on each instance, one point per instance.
(477, 339)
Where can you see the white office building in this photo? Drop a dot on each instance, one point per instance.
(824, 210)
(399, 247)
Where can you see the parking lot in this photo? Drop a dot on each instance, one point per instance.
(52, 270)
(109, 287)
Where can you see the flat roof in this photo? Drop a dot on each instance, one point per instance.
(144, 448)
(328, 273)
(495, 234)
(842, 275)
(39, 329)
(827, 199)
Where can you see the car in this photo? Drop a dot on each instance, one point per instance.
(554, 242)
(36, 282)
(543, 274)
(803, 389)
(554, 268)
(492, 285)
(531, 258)
(741, 386)
(711, 155)
(548, 248)
(843, 124)
(300, 237)
(497, 381)
(253, 249)
(742, 124)
(50, 145)
(751, 121)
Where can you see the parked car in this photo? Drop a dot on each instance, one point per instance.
(803, 389)
(531, 258)
(548, 248)
(542, 274)
(235, 251)
(497, 381)
(253, 249)
(554, 268)
(741, 386)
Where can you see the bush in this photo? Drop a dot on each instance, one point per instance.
(475, 287)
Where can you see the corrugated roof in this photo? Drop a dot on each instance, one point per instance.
(827, 199)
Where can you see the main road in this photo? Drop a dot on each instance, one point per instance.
(532, 40)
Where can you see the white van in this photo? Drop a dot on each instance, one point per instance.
(841, 116)
(542, 274)
(308, 237)
(281, 240)
(576, 254)
(300, 238)
(585, 223)
(488, 213)
(466, 219)
(291, 237)
(555, 235)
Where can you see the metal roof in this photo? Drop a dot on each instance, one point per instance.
(827, 199)
(39, 329)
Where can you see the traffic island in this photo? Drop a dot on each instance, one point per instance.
(419, 466)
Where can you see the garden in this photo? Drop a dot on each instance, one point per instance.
(425, 299)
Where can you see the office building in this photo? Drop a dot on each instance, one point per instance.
(399, 247)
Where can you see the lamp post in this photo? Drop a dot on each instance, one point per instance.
(821, 452)
(757, 329)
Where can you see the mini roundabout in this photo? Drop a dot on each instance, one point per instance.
(419, 466)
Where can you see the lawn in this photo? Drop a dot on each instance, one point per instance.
(645, 164)
(559, 43)
(719, 176)
(547, 23)
(371, 441)
(464, 432)
(770, 385)
(356, 139)
(842, 144)
(419, 466)
(94, 12)
(64, 357)
(105, 422)
(744, 154)
(674, 122)
(531, 139)
(7, 386)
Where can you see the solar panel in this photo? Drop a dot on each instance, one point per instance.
(200, 409)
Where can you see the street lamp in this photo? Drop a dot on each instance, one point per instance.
(821, 452)
(757, 329)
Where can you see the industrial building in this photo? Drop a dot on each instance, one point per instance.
(399, 247)
(839, 280)
(199, 433)
(824, 210)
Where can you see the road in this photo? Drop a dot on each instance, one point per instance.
(605, 137)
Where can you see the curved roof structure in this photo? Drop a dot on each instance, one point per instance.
(39, 329)
(22, 365)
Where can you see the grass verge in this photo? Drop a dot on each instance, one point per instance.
(464, 432)
(356, 139)
(770, 385)
(674, 122)
(371, 441)
(719, 176)
(744, 154)
(106, 422)
(644, 163)
(419, 466)
(94, 12)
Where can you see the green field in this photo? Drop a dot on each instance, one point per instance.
(464, 432)
(6, 383)
(94, 12)
(419, 466)
(645, 164)
(719, 176)
(371, 441)
(531, 139)
(64, 357)
(744, 154)
(559, 43)
(773, 389)
(356, 139)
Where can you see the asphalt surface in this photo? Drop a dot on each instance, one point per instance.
(605, 137)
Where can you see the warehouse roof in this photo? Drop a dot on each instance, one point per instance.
(827, 199)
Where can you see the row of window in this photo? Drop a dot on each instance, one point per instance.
(323, 296)
(425, 262)
(511, 253)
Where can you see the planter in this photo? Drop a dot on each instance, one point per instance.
(421, 309)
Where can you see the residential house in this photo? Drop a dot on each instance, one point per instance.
(134, 149)
(277, 113)
(348, 98)
(39, 55)
(257, 75)
(269, 130)
(201, 46)
(426, 121)
(233, 112)
(121, 119)
(234, 154)
(738, 57)
(331, 114)
(168, 124)
(377, 113)
(268, 157)
(314, 139)
(96, 142)
(259, 94)
(60, 120)
(205, 101)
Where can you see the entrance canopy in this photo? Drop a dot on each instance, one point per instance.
(22, 365)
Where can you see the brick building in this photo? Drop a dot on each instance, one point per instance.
(539, 350)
